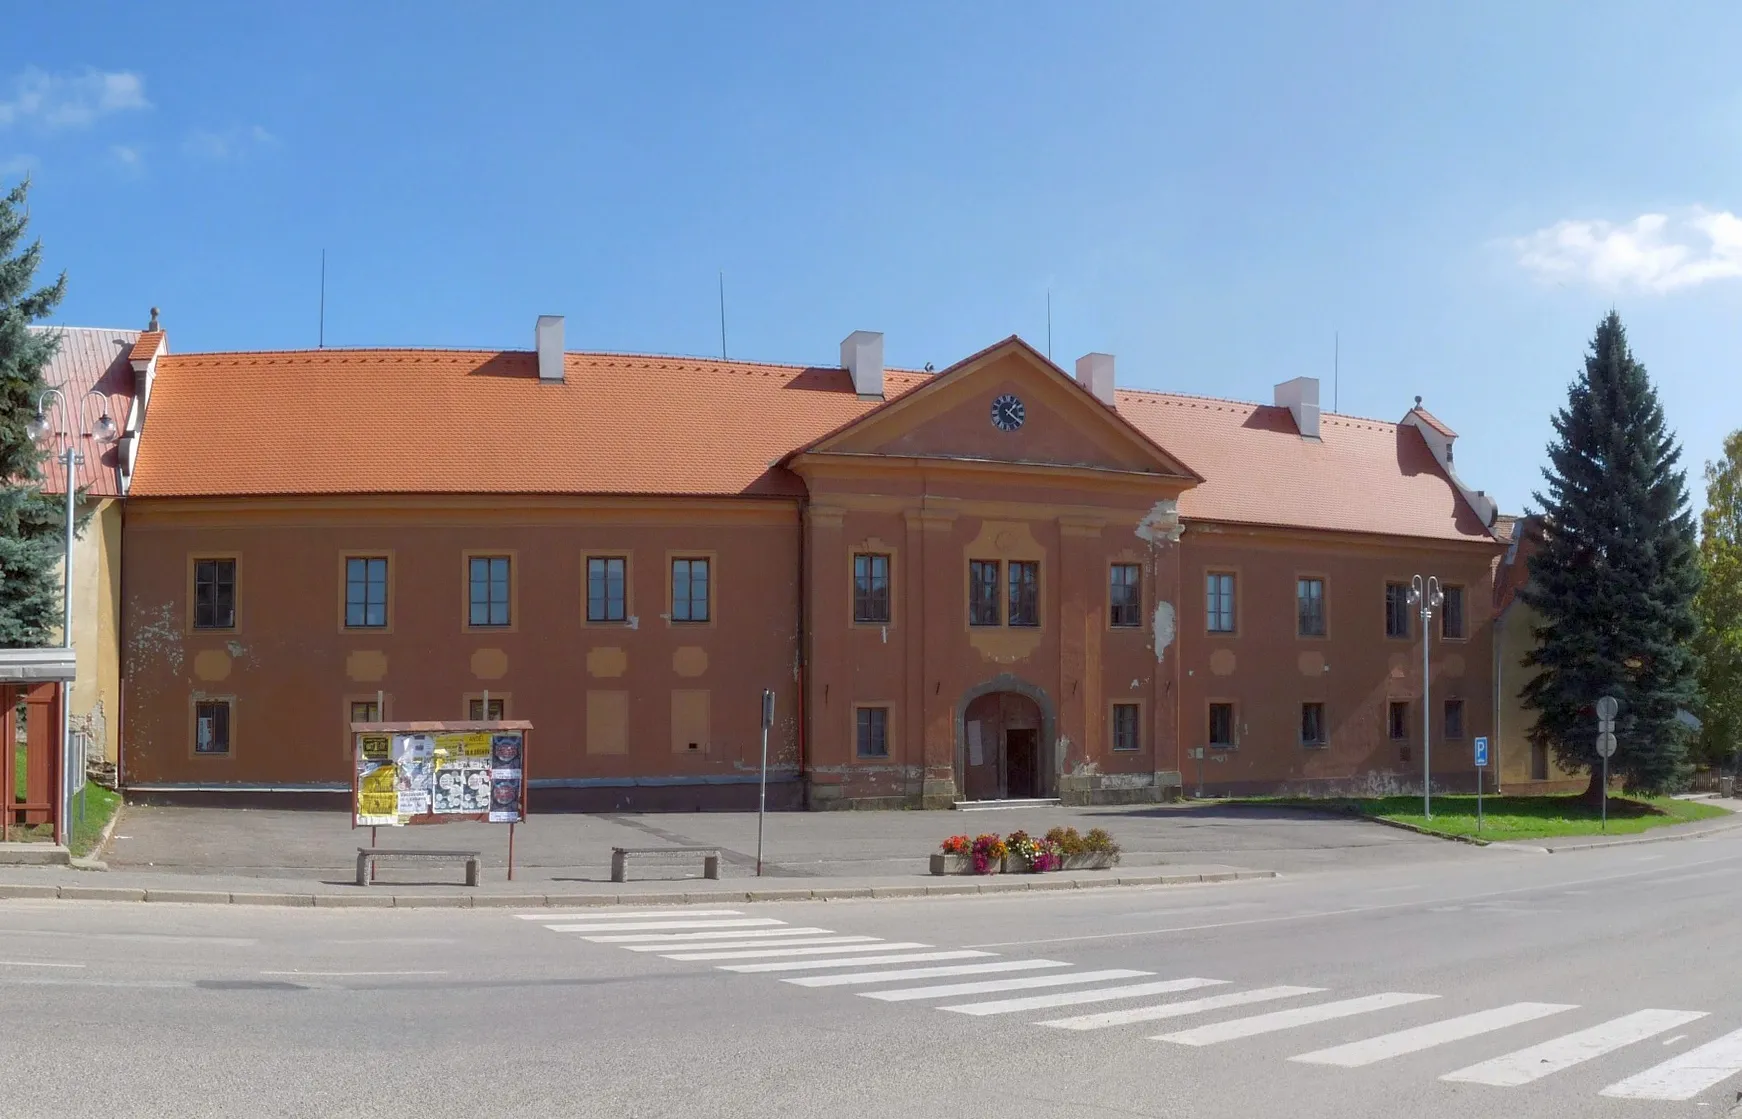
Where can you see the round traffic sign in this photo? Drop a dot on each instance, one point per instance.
(1605, 745)
(1607, 707)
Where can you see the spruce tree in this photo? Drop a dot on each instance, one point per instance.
(1615, 578)
(32, 529)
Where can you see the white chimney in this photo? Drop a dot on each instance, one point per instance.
(1301, 397)
(1095, 372)
(550, 348)
(862, 356)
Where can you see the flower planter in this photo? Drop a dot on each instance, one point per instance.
(1091, 860)
(958, 864)
(1016, 864)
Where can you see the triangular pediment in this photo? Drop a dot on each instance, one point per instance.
(1008, 404)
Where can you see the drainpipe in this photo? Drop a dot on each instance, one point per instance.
(1499, 672)
(803, 638)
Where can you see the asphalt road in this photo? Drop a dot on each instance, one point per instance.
(1526, 978)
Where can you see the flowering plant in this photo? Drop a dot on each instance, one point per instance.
(957, 845)
(987, 849)
(1039, 854)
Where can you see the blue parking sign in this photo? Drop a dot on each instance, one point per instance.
(1482, 752)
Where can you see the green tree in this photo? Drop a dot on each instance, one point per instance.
(31, 525)
(1615, 578)
(1719, 606)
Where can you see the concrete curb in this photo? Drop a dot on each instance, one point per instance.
(1646, 837)
(1000, 884)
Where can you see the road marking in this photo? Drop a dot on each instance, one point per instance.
(909, 958)
(34, 963)
(1178, 1009)
(1358, 1054)
(603, 914)
(1676, 1038)
(923, 973)
(1289, 1019)
(716, 934)
(988, 986)
(718, 944)
(1074, 998)
(766, 953)
(651, 926)
(351, 975)
(1539, 1061)
(1685, 1076)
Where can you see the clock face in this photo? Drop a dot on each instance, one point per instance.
(1007, 413)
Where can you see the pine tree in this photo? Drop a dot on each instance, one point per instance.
(1720, 607)
(31, 525)
(1615, 578)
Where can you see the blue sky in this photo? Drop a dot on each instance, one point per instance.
(1211, 192)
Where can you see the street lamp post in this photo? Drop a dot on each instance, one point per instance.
(68, 456)
(1426, 596)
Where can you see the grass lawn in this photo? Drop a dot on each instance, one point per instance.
(1506, 817)
(100, 806)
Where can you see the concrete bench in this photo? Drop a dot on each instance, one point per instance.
(367, 857)
(663, 856)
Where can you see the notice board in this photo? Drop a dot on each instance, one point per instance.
(438, 772)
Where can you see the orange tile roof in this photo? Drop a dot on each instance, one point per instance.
(1432, 420)
(91, 359)
(1360, 476)
(145, 348)
(446, 421)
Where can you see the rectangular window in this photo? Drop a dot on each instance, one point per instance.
(489, 591)
(870, 587)
(689, 590)
(215, 595)
(365, 711)
(1312, 724)
(1397, 720)
(1219, 601)
(1024, 593)
(1127, 719)
(212, 727)
(873, 732)
(607, 599)
(478, 712)
(1309, 598)
(1221, 724)
(1396, 610)
(365, 592)
(1452, 613)
(983, 593)
(1454, 718)
(1125, 594)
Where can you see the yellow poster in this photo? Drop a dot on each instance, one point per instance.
(451, 747)
(378, 805)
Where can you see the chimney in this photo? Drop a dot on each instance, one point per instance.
(1301, 397)
(550, 348)
(862, 356)
(1095, 372)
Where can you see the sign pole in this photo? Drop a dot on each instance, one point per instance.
(510, 850)
(762, 789)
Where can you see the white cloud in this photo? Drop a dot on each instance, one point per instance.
(125, 155)
(229, 143)
(71, 100)
(14, 166)
(1653, 252)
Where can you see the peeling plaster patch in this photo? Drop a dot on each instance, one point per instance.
(237, 649)
(160, 637)
(886, 635)
(1134, 684)
(1161, 523)
(1086, 769)
(1128, 781)
(634, 621)
(1162, 627)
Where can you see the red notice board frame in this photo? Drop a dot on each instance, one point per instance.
(434, 727)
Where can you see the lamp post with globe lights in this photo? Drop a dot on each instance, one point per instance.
(67, 454)
(1425, 595)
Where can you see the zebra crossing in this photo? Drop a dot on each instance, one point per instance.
(815, 957)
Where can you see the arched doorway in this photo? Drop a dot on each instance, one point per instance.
(1004, 743)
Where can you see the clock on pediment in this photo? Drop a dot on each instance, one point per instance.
(1007, 412)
